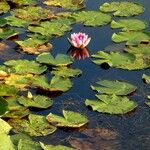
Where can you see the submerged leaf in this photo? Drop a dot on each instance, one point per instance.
(70, 119)
(59, 60)
(111, 104)
(129, 24)
(122, 8)
(92, 18)
(26, 66)
(114, 87)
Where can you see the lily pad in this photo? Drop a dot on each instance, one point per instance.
(35, 45)
(4, 7)
(25, 2)
(129, 24)
(131, 38)
(6, 33)
(50, 28)
(55, 147)
(123, 8)
(146, 78)
(71, 119)
(67, 4)
(26, 66)
(19, 81)
(59, 60)
(28, 145)
(122, 60)
(114, 87)
(92, 18)
(6, 90)
(4, 127)
(32, 13)
(111, 104)
(3, 22)
(56, 83)
(140, 49)
(37, 101)
(66, 72)
(3, 107)
(37, 125)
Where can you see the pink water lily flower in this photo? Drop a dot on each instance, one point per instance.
(79, 40)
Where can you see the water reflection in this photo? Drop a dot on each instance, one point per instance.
(78, 53)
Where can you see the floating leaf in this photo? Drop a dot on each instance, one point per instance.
(37, 101)
(35, 45)
(66, 72)
(71, 119)
(59, 60)
(28, 145)
(146, 78)
(6, 33)
(19, 81)
(92, 18)
(55, 147)
(6, 90)
(3, 106)
(131, 38)
(36, 126)
(122, 60)
(68, 4)
(4, 127)
(4, 7)
(3, 22)
(50, 28)
(32, 13)
(114, 87)
(25, 2)
(26, 66)
(56, 84)
(122, 8)
(111, 104)
(129, 24)
(140, 49)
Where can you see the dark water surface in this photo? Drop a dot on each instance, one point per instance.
(133, 128)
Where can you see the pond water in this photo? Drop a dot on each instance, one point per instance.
(133, 129)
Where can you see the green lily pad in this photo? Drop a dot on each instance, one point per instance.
(56, 83)
(6, 90)
(17, 22)
(66, 72)
(122, 60)
(37, 101)
(59, 60)
(32, 13)
(37, 125)
(25, 2)
(67, 4)
(111, 104)
(5, 142)
(140, 49)
(21, 82)
(6, 33)
(71, 119)
(26, 66)
(57, 28)
(35, 45)
(92, 18)
(123, 9)
(3, 106)
(3, 22)
(4, 127)
(114, 87)
(146, 78)
(129, 24)
(28, 145)
(131, 38)
(4, 7)
(55, 147)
